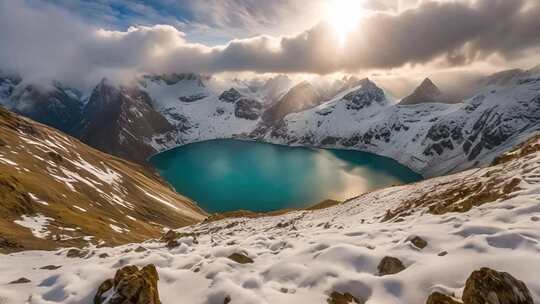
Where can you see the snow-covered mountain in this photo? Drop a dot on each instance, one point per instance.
(52, 104)
(473, 236)
(160, 112)
(430, 138)
(58, 192)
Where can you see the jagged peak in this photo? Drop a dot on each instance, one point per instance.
(366, 82)
(427, 86)
(426, 92)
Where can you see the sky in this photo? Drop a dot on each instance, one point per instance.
(81, 41)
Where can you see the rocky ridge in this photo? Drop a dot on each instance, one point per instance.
(58, 192)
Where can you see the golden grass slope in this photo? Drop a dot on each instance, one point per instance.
(89, 196)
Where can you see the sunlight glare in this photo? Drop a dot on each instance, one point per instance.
(344, 16)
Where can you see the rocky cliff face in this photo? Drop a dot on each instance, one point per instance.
(121, 121)
(301, 97)
(56, 191)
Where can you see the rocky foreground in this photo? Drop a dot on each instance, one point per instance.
(472, 238)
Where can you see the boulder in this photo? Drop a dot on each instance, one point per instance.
(171, 235)
(419, 242)
(240, 258)
(390, 265)
(130, 285)
(487, 286)
(440, 298)
(345, 298)
(50, 267)
(76, 253)
(20, 281)
(172, 244)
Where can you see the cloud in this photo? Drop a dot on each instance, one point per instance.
(41, 40)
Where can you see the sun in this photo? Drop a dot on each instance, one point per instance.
(344, 16)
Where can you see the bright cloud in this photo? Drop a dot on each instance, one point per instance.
(43, 40)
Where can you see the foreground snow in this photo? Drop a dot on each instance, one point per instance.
(301, 257)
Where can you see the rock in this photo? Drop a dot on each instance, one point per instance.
(172, 244)
(487, 286)
(76, 253)
(227, 300)
(9, 244)
(103, 256)
(240, 258)
(171, 235)
(230, 96)
(443, 253)
(390, 265)
(419, 242)
(20, 281)
(247, 109)
(439, 298)
(346, 298)
(50, 267)
(103, 288)
(130, 286)
(57, 158)
(171, 238)
(140, 249)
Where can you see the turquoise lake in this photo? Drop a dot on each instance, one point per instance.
(227, 175)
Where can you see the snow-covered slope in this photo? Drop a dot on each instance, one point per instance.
(55, 192)
(201, 113)
(430, 138)
(440, 229)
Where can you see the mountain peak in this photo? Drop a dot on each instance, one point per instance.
(426, 92)
(427, 86)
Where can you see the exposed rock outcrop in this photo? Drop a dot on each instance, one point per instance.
(247, 109)
(488, 286)
(130, 285)
(343, 298)
(390, 265)
(419, 242)
(240, 258)
(440, 298)
(20, 281)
